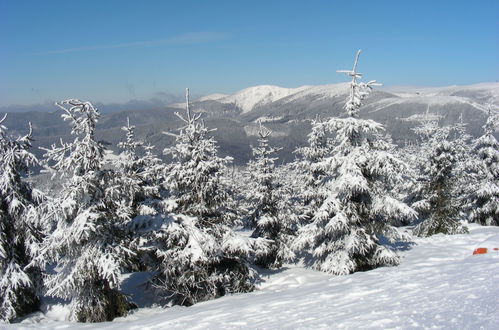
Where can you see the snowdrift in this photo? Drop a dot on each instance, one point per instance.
(439, 284)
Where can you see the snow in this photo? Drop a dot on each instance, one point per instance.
(491, 88)
(247, 99)
(212, 97)
(439, 284)
(489, 92)
(323, 91)
(491, 244)
(419, 117)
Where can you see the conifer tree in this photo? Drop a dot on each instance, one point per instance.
(91, 215)
(466, 179)
(312, 169)
(438, 202)
(141, 175)
(268, 211)
(20, 232)
(406, 188)
(140, 180)
(198, 256)
(128, 167)
(485, 199)
(196, 177)
(357, 204)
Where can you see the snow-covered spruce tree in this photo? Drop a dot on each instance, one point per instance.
(196, 177)
(405, 189)
(20, 233)
(466, 179)
(199, 256)
(141, 174)
(140, 181)
(311, 169)
(357, 206)
(128, 167)
(437, 202)
(91, 213)
(268, 207)
(485, 199)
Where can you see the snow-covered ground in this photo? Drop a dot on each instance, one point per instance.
(439, 284)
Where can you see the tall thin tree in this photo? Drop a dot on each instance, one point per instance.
(88, 243)
(20, 232)
(357, 205)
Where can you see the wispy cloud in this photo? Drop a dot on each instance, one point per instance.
(186, 38)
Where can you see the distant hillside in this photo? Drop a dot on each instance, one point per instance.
(285, 111)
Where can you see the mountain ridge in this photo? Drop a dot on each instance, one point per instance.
(286, 112)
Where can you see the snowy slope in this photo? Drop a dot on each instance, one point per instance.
(478, 95)
(490, 88)
(439, 284)
(247, 99)
(212, 97)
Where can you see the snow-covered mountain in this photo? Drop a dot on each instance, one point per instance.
(213, 97)
(259, 96)
(286, 112)
(248, 99)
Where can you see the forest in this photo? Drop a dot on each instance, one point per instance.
(345, 202)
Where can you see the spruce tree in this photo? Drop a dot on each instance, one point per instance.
(485, 198)
(91, 215)
(406, 188)
(139, 182)
(438, 200)
(20, 232)
(196, 178)
(141, 175)
(268, 210)
(357, 206)
(199, 257)
(311, 169)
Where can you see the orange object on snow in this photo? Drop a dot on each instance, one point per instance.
(480, 251)
(489, 246)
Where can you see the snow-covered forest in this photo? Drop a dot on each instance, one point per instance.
(194, 228)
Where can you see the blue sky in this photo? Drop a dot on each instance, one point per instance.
(115, 51)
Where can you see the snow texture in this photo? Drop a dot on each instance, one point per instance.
(250, 98)
(20, 233)
(439, 284)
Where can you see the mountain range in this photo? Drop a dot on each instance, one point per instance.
(287, 112)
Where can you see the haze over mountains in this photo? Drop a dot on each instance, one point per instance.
(285, 111)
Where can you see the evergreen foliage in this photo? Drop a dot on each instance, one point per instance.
(20, 232)
(338, 204)
(312, 169)
(191, 264)
(142, 178)
(438, 202)
(198, 256)
(269, 213)
(485, 199)
(91, 215)
(142, 175)
(357, 207)
(196, 177)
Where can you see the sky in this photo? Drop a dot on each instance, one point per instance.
(116, 51)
